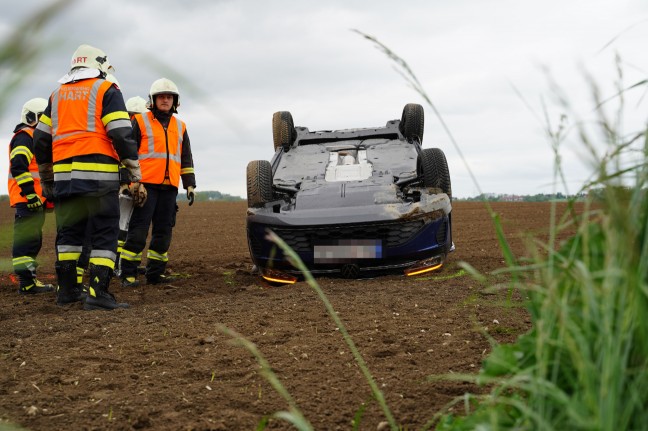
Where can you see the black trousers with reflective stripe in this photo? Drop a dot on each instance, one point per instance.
(160, 211)
(28, 233)
(88, 221)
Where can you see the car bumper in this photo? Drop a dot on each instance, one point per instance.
(392, 237)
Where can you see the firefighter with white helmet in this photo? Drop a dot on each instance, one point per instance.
(165, 157)
(26, 197)
(81, 138)
(136, 105)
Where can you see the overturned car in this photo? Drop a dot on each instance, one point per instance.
(350, 202)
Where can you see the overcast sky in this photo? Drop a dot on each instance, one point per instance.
(237, 62)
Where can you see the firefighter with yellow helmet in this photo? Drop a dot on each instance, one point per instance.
(81, 138)
(165, 157)
(26, 197)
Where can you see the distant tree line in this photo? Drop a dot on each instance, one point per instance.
(210, 196)
(540, 197)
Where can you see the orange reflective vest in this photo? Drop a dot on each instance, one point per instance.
(160, 150)
(13, 185)
(82, 132)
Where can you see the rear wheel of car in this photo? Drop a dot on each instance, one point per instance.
(433, 170)
(259, 183)
(412, 122)
(283, 130)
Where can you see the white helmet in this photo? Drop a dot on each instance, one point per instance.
(32, 109)
(91, 57)
(112, 78)
(164, 86)
(136, 104)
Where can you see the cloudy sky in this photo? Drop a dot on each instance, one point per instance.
(487, 67)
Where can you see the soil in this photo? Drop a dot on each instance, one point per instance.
(164, 364)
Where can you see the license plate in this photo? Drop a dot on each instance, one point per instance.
(345, 250)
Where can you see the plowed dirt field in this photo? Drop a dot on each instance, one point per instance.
(164, 365)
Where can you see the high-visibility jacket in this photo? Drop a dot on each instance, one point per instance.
(160, 150)
(77, 126)
(31, 175)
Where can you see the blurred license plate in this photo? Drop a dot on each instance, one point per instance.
(344, 250)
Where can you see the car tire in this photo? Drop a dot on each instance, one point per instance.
(433, 170)
(259, 183)
(413, 122)
(283, 130)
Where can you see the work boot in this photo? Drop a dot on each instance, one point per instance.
(160, 279)
(30, 285)
(98, 297)
(68, 291)
(129, 282)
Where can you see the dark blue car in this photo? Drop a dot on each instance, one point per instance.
(350, 202)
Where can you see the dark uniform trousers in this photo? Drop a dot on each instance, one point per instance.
(28, 238)
(88, 223)
(160, 211)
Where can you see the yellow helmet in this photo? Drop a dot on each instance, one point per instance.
(32, 109)
(164, 86)
(91, 57)
(136, 104)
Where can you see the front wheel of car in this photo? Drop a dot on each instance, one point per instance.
(412, 122)
(283, 130)
(433, 170)
(259, 183)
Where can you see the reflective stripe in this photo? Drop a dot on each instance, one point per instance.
(115, 116)
(118, 124)
(129, 255)
(92, 106)
(69, 256)
(21, 150)
(86, 166)
(22, 260)
(103, 262)
(69, 248)
(46, 122)
(106, 254)
(157, 256)
(25, 177)
(186, 171)
(151, 154)
(84, 175)
(34, 175)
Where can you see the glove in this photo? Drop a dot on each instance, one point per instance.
(134, 170)
(191, 195)
(123, 189)
(48, 189)
(138, 192)
(34, 202)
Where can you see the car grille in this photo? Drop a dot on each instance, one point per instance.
(392, 234)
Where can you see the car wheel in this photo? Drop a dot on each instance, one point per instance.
(283, 130)
(433, 170)
(259, 183)
(412, 122)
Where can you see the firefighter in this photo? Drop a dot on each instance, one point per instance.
(26, 197)
(136, 105)
(165, 157)
(80, 140)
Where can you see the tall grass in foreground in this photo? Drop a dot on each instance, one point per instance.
(584, 363)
